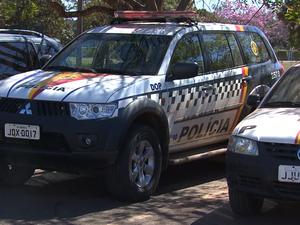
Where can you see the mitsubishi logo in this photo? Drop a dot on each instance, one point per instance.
(27, 110)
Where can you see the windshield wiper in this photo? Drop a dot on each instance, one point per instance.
(115, 71)
(62, 68)
(66, 68)
(91, 70)
(281, 104)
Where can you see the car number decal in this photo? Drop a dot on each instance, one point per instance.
(62, 78)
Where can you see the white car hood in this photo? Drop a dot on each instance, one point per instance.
(280, 125)
(64, 86)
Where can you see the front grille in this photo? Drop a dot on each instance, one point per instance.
(286, 188)
(282, 151)
(11, 105)
(48, 141)
(248, 181)
(38, 107)
(52, 108)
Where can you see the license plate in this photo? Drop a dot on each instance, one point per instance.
(22, 131)
(289, 173)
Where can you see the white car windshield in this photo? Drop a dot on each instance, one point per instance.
(113, 53)
(286, 92)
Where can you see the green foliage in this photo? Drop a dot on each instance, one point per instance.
(35, 15)
(296, 55)
(282, 54)
(95, 19)
(170, 5)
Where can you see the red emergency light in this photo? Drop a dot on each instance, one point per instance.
(129, 14)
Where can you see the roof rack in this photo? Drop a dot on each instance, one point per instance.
(22, 31)
(155, 16)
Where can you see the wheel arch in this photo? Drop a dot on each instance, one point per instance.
(142, 111)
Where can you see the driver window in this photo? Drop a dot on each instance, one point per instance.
(188, 49)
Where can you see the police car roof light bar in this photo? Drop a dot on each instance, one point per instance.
(129, 14)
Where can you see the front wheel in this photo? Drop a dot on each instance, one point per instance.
(136, 172)
(245, 204)
(14, 175)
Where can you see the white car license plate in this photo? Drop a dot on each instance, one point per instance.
(288, 173)
(22, 131)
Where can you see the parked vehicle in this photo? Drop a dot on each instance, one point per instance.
(263, 157)
(45, 44)
(21, 52)
(149, 90)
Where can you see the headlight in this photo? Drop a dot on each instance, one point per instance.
(242, 146)
(83, 111)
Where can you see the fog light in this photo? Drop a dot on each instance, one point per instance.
(87, 140)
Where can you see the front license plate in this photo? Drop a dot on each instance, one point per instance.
(289, 173)
(22, 131)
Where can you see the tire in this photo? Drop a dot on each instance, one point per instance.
(245, 204)
(136, 172)
(13, 175)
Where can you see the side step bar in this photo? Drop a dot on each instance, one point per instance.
(176, 159)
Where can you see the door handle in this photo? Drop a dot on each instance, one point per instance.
(207, 87)
(245, 79)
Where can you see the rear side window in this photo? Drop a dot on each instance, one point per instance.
(254, 47)
(236, 54)
(218, 51)
(17, 57)
(188, 49)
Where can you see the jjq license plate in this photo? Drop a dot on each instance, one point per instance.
(288, 173)
(22, 131)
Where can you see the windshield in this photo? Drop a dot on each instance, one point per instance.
(113, 53)
(286, 93)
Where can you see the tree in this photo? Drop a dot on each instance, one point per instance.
(99, 12)
(60, 22)
(289, 13)
(238, 13)
(34, 15)
(108, 7)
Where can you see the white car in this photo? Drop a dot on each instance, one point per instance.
(263, 156)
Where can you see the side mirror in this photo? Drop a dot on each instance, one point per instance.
(253, 100)
(44, 59)
(184, 70)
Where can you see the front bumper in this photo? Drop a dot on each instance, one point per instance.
(61, 146)
(259, 174)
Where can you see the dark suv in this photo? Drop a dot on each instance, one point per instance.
(21, 50)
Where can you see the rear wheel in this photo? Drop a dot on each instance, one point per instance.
(13, 175)
(136, 172)
(245, 204)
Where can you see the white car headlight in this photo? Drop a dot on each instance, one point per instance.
(84, 111)
(242, 146)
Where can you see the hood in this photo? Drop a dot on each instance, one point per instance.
(64, 86)
(280, 125)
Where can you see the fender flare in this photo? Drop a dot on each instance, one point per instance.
(131, 114)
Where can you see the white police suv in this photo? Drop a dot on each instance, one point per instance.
(128, 99)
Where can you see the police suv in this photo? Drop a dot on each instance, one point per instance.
(149, 90)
